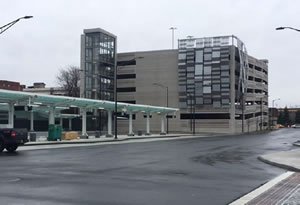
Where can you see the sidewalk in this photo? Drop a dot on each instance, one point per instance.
(93, 140)
(289, 160)
(284, 189)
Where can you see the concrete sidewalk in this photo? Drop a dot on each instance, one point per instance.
(92, 139)
(284, 189)
(289, 160)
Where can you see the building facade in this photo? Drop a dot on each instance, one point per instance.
(41, 88)
(98, 63)
(10, 85)
(215, 83)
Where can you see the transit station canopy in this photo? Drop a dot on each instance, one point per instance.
(38, 101)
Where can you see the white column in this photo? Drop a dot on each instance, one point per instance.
(31, 121)
(130, 133)
(70, 123)
(11, 113)
(61, 121)
(162, 120)
(109, 123)
(148, 124)
(83, 130)
(51, 116)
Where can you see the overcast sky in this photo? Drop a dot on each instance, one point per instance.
(35, 49)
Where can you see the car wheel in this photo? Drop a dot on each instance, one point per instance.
(11, 148)
(1, 146)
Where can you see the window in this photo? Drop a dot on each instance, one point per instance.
(207, 89)
(190, 69)
(207, 83)
(225, 73)
(182, 88)
(216, 103)
(207, 50)
(216, 54)
(199, 70)
(207, 101)
(199, 91)
(182, 105)
(224, 80)
(207, 57)
(205, 116)
(190, 81)
(224, 67)
(199, 56)
(225, 101)
(199, 101)
(190, 75)
(126, 76)
(88, 54)
(88, 40)
(128, 89)
(207, 70)
(181, 56)
(216, 87)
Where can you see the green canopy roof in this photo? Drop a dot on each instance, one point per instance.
(41, 101)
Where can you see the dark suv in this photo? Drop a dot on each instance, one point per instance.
(11, 138)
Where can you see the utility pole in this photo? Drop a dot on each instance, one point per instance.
(173, 28)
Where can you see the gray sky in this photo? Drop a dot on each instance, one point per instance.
(35, 49)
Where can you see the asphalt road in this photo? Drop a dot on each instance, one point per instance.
(210, 171)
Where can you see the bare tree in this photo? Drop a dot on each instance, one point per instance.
(68, 78)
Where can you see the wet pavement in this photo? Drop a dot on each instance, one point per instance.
(215, 170)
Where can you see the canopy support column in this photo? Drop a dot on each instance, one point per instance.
(162, 120)
(51, 115)
(84, 135)
(70, 124)
(130, 133)
(148, 124)
(11, 113)
(109, 123)
(31, 121)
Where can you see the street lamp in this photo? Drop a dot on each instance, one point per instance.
(173, 28)
(7, 26)
(282, 28)
(273, 101)
(117, 64)
(167, 89)
(191, 97)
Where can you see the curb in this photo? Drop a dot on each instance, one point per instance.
(103, 141)
(284, 166)
(261, 189)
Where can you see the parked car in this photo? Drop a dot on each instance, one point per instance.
(11, 138)
(295, 126)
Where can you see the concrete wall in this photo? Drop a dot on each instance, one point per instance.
(151, 67)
